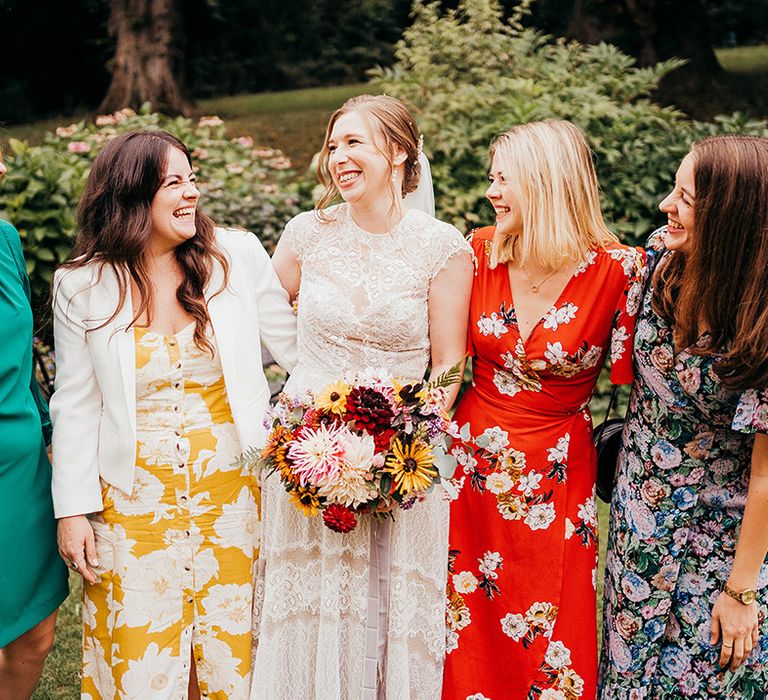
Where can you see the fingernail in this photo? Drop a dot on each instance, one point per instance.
(95, 562)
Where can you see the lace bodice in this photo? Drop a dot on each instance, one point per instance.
(363, 298)
(363, 303)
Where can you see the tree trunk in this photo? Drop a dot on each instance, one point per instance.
(584, 25)
(678, 28)
(147, 62)
(650, 30)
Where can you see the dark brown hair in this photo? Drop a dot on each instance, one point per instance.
(721, 284)
(115, 226)
(395, 124)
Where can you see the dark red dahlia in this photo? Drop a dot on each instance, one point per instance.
(369, 409)
(382, 439)
(339, 518)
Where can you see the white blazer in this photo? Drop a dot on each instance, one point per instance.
(94, 406)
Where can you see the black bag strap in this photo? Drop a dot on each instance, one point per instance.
(611, 404)
(612, 401)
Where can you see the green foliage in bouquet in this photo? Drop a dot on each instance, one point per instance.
(470, 75)
(242, 184)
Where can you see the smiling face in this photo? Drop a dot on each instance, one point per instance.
(678, 206)
(357, 161)
(505, 201)
(174, 204)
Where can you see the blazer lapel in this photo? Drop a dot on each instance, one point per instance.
(123, 337)
(220, 313)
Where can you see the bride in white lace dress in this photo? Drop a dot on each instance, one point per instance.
(361, 615)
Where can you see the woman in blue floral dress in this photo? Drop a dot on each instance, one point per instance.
(685, 596)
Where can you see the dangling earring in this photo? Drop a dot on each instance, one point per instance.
(394, 176)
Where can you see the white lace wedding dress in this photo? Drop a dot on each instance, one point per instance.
(361, 614)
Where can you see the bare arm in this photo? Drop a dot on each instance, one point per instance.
(287, 267)
(449, 295)
(734, 622)
(277, 322)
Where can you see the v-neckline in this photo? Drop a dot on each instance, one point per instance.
(554, 304)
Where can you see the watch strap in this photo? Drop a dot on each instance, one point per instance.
(745, 597)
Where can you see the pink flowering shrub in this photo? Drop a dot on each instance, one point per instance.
(243, 183)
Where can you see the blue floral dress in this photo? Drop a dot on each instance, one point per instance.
(678, 504)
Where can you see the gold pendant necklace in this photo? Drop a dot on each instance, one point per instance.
(536, 286)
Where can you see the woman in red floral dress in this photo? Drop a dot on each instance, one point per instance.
(554, 293)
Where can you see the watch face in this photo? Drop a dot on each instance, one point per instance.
(748, 597)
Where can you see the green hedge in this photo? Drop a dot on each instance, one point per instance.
(241, 184)
(470, 75)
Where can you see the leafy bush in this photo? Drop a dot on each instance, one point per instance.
(469, 76)
(241, 185)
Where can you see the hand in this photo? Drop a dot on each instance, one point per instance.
(77, 546)
(737, 625)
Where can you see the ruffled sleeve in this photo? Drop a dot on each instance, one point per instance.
(623, 329)
(752, 412)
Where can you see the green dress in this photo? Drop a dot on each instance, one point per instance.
(33, 578)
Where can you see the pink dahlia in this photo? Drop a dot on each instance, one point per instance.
(317, 454)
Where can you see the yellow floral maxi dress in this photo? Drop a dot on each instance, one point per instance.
(177, 556)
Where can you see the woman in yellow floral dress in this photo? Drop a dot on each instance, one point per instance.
(158, 322)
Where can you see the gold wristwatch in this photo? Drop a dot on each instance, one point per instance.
(746, 597)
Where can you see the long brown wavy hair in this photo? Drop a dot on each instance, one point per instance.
(721, 284)
(115, 227)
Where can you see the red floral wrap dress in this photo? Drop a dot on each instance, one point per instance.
(523, 535)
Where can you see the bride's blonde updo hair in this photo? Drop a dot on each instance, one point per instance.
(387, 118)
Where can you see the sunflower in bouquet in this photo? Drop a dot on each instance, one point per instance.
(368, 445)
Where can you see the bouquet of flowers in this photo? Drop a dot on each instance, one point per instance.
(369, 445)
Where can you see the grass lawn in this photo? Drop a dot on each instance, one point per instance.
(745, 60)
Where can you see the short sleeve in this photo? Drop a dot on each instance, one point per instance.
(625, 316)
(291, 238)
(752, 412)
(446, 244)
(298, 233)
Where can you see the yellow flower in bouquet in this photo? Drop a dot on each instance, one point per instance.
(333, 398)
(306, 501)
(411, 465)
(276, 449)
